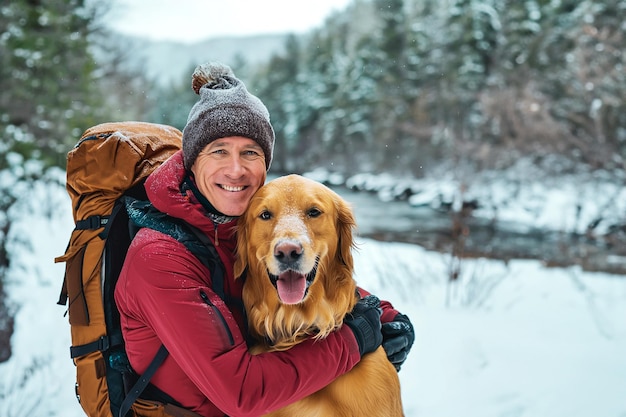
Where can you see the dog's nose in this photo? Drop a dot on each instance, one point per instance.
(287, 251)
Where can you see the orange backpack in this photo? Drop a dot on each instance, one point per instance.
(110, 161)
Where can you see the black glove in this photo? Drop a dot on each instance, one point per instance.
(364, 321)
(398, 337)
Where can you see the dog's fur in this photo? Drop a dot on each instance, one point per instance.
(295, 244)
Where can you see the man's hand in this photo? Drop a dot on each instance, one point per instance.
(398, 337)
(364, 321)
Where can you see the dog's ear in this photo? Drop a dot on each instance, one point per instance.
(241, 255)
(346, 223)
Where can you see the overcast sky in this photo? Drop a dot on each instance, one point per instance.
(194, 20)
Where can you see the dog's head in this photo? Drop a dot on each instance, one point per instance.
(295, 241)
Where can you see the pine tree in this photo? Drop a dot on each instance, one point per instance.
(46, 76)
(46, 92)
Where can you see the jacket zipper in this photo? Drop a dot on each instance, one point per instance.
(205, 298)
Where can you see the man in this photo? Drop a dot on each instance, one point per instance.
(164, 292)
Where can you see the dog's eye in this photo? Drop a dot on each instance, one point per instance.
(313, 212)
(265, 215)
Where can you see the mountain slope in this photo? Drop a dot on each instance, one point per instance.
(167, 61)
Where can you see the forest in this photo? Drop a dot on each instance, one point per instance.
(385, 85)
(407, 87)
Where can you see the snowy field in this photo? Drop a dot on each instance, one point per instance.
(506, 340)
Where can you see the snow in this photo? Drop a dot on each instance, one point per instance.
(536, 342)
(512, 339)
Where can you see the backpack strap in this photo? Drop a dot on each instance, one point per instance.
(92, 222)
(97, 221)
(212, 261)
(102, 344)
(143, 381)
(144, 214)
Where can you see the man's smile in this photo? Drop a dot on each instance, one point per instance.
(231, 188)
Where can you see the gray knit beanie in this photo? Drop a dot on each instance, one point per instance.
(225, 108)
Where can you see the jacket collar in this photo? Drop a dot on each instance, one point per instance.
(189, 184)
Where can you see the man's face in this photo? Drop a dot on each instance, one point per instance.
(228, 171)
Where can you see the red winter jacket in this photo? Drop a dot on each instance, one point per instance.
(159, 298)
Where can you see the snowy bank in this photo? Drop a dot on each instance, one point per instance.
(514, 339)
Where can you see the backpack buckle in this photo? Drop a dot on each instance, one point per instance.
(92, 222)
(102, 345)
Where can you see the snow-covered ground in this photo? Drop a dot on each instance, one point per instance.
(505, 340)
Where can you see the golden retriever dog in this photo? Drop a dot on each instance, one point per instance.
(295, 243)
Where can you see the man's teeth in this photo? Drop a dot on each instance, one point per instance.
(229, 188)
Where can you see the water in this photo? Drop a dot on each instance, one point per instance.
(467, 236)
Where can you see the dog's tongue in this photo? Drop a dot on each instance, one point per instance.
(291, 287)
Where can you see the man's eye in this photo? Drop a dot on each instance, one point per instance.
(251, 154)
(265, 215)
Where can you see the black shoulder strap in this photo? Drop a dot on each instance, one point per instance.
(144, 214)
(212, 261)
(143, 381)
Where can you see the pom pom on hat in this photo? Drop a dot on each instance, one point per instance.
(225, 108)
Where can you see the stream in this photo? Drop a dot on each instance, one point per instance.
(397, 221)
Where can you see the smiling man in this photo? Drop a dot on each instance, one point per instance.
(228, 172)
(165, 293)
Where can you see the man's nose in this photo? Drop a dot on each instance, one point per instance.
(235, 166)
